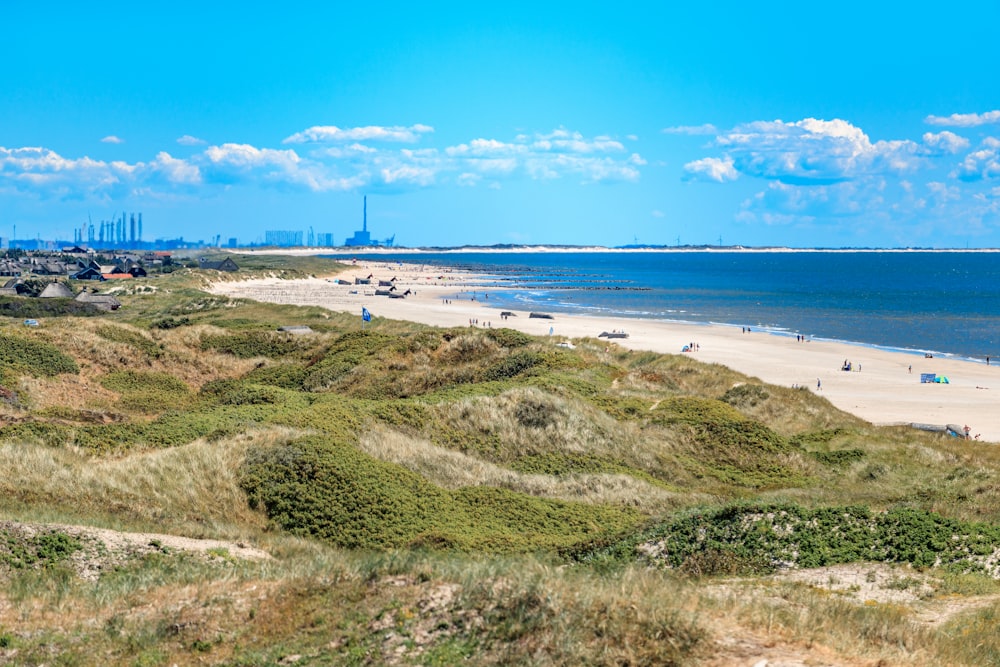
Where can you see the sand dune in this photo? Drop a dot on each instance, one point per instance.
(882, 388)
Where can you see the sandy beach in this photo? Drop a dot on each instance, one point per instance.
(883, 386)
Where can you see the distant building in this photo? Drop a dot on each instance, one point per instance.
(324, 240)
(282, 238)
(363, 237)
(226, 264)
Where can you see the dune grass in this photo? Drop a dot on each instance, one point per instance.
(433, 494)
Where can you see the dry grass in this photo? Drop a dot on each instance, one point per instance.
(530, 420)
(453, 470)
(192, 489)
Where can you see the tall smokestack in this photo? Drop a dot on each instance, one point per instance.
(364, 226)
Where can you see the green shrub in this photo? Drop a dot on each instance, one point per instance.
(170, 323)
(840, 457)
(148, 391)
(22, 307)
(512, 365)
(249, 344)
(44, 549)
(34, 356)
(761, 536)
(335, 492)
(286, 376)
(509, 337)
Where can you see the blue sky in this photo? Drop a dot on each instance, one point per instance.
(564, 123)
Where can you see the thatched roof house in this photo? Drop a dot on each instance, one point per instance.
(56, 291)
(102, 301)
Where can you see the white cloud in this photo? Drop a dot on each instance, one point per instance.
(548, 156)
(711, 169)
(980, 165)
(44, 173)
(813, 151)
(112, 139)
(657, 213)
(562, 140)
(965, 119)
(332, 133)
(175, 170)
(347, 164)
(705, 129)
(408, 173)
(188, 140)
(945, 142)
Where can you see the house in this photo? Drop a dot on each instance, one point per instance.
(8, 268)
(116, 276)
(102, 301)
(226, 264)
(56, 290)
(51, 269)
(89, 273)
(14, 287)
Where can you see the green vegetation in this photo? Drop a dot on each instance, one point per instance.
(438, 496)
(24, 307)
(34, 356)
(761, 538)
(45, 549)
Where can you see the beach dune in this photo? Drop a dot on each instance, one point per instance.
(882, 387)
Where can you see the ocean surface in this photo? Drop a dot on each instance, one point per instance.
(939, 302)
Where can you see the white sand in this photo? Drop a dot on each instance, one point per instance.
(880, 390)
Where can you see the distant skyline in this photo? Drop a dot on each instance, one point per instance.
(553, 123)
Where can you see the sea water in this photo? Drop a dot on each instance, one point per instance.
(921, 301)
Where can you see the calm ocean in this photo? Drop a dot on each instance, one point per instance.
(939, 302)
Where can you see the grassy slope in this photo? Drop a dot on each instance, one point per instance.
(444, 475)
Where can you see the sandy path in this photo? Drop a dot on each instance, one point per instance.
(881, 389)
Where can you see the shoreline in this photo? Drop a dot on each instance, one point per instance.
(350, 251)
(883, 386)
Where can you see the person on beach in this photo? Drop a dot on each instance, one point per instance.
(819, 384)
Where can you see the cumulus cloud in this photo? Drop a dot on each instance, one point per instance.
(714, 169)
(706, 129)
(176, 171)
(44, 173)
(965, 119)
(945, 142)
(548, 156)
(112, 139)
(980, 165)
(813, 151)
(332, 134)
(357, 158)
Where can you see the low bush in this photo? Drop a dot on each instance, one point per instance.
(46, 548)
(512, 365)
(333, 491)
(762, 537)
(33, 356)
(250, 344)
(148, 391)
